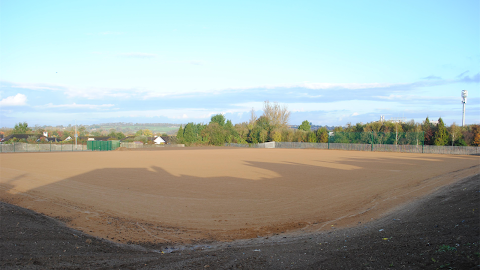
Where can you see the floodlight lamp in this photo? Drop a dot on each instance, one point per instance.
(464, 96)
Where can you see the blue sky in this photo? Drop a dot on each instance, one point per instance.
(329, 62)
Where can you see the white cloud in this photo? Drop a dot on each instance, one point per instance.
(320, 86)
(414, 97)
(354, 86)
(100, 93)
(77, 106)
(344, 85)
(355, 114)
(91, 92)
(17, 100)
(138, 55)
(391, 97)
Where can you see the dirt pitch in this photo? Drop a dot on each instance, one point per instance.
(189, 195)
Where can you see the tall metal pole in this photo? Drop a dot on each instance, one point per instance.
(464, 101)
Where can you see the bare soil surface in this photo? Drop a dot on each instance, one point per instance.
(200, 202)
(220, 194)
(439, 231)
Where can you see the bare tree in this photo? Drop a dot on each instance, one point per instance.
(277, 115)
(253, 117)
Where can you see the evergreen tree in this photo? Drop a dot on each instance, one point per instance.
(428, 130)
(441, 133)
(219, 119)
(305, 126)
(180, 135)
(189, 134)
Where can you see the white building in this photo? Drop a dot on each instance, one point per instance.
(158, 140)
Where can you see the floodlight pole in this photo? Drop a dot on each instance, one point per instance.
(464, 101)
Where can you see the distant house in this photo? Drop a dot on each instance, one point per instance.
(434, 122)
(158, 140)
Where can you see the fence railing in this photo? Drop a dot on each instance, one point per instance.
(141, 145)
(428, 149)
(253, 145)
(301, 145)
(48, 147)
(53, 147)
(454, 150)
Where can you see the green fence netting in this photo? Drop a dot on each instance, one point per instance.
(102, 145)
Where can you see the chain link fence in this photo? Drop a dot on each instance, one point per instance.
(253, 145)
(141, 145)
(53, 147)
(428, 149)
(50, 147)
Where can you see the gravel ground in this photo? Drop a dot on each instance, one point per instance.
(439, 231)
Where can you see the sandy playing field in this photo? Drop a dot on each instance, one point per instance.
(180, 195)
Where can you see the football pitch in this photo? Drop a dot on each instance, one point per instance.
(197, 194)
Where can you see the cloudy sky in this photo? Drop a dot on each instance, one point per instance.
(329, 62)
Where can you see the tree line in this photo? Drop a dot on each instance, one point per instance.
(410, 132)
(273, 126)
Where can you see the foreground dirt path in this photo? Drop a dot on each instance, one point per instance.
(220, 194)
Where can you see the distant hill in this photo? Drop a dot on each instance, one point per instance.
(134, 127)
(126, 128)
